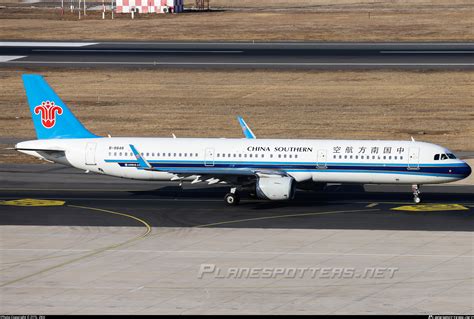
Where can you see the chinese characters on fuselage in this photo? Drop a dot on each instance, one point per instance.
(388, 150)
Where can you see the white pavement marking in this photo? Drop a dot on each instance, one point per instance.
(246, 63)
(426, 52)
(297, 43)
(372, 205)
(6, 58)
(140, 51)
(46, 44)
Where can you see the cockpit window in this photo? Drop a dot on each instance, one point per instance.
(444, 157)
(436, 157)
(451, 156)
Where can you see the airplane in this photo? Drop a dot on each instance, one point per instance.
(272, 169)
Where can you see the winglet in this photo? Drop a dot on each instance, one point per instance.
(246, 129)
(141, 161)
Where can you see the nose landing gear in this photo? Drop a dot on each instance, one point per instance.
(416, 193)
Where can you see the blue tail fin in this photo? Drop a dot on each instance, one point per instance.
(51, 116)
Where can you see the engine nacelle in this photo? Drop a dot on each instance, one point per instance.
(275, 188)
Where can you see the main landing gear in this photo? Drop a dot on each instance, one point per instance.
(416, 193)
(232, 198)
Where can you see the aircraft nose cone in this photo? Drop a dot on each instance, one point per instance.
(467, 170)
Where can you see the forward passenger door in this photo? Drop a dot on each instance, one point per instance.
(414, 158)
(322, 159)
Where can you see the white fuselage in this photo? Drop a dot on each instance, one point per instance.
(320, 161)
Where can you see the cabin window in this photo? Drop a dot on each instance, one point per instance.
(271, 155)
(250, 155)
(290, 156)
(279, 155)
(296, 155)
(345, 156)
(384, 157)
(263, 155)
(356, 157)
(217, 154)
(401, 157)
(351, 156)
(169, 154)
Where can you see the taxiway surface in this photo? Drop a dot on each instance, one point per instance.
(160, 204)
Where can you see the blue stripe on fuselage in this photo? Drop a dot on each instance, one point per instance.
(448, 169)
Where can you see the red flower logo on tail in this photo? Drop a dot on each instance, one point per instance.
(48, 112)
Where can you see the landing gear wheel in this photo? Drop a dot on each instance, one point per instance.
(232, 199)
(416, 194)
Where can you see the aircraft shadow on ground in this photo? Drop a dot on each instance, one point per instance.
(331, 195)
